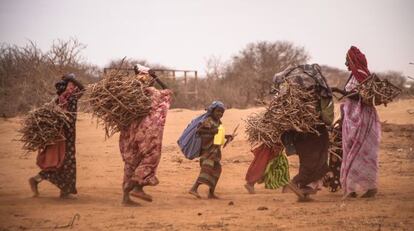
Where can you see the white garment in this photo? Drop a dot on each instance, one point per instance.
(142, 69)
(352, 84)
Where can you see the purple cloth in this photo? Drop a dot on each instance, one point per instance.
(361, 134)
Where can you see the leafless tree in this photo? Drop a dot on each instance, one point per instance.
(27, 74)
(251, 70)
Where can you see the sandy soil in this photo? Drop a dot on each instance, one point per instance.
(100, 171)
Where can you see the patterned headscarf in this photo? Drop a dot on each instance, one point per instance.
(357, 63)
(214, 105)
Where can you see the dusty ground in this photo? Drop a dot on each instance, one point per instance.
(100, 175)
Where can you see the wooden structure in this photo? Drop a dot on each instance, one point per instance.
(176, 75)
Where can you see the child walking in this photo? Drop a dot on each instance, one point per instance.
(211, 132)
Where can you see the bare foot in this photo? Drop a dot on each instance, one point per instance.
(67, 196)
(285, 189)
(33, 186)
(141, 195)
(213, 196)
(308, 190)
(194, 193)
(370, 193)
(350, 195)
(306, 198)
(353, 195)
(250, 188)
(296, 190)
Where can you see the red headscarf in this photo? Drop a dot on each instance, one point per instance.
(357, 63)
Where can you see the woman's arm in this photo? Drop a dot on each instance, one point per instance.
(347, 94)
(207, 131)
(335, 89)
(353, 95)
(153, 75)
(205, 128)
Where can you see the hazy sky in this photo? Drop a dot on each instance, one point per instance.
(183, 34)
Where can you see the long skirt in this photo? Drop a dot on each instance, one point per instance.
(210, 167)
(361, 134)
(65, 177)
(262, 156)
(141, 142)
(313, 154)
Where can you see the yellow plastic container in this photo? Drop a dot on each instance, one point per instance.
(219, 137)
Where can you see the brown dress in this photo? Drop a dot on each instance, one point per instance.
(313, 155)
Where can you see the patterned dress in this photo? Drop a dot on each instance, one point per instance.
(210, 155)
(65, 177)
(140, 143)
(361, 134)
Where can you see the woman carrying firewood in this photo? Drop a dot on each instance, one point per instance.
(361, 132)
(69, 90)
(140, 143)
(311, 147)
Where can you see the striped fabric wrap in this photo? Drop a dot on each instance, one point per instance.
(277, 172)
(210, 156)
(210, 172)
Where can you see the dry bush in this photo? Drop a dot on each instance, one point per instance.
(245, 78)
(27, 74)
(335, 77)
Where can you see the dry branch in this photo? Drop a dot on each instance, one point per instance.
(294, 109)
(375, 91)
(332, 179)
(118, 100)
(43, 126)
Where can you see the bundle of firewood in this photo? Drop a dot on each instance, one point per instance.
(375, 91)
(335, 139)
(43, 126)
(332, 179)
(293, 109)
(118, 100)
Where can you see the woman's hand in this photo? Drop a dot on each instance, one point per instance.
(229, 137)
(152, 73)
(353, 96)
